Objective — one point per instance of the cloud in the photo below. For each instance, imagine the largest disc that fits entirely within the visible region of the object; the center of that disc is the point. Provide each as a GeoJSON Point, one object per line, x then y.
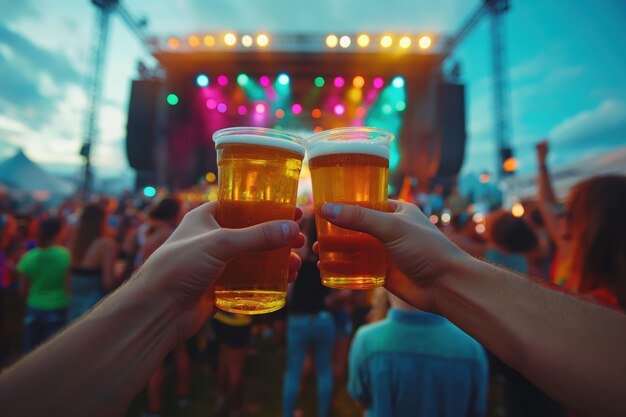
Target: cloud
{"type": "Point", "coordinates": [603, 125]}
{"type": "Point", "coordinates": [32, 79]}
{"type": "Point", "coordinates": [13, 10]}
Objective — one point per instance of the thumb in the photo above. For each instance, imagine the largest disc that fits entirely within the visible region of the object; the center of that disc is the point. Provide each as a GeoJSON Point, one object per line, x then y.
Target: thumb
{"type": "Point", "coordinates": [379, 224]}
{"type": "Point", "coordinates": [229, 243]}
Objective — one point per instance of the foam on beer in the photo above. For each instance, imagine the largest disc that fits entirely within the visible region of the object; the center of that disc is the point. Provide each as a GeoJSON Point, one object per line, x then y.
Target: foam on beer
{"type": "Point", "coordinates": [261, 141]}
{"type": "Point", "coordinates": [361, 147]}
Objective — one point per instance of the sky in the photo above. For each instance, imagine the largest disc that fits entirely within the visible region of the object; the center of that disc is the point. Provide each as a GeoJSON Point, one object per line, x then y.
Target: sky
{"type": "Point", "coordinates": [565, 59]}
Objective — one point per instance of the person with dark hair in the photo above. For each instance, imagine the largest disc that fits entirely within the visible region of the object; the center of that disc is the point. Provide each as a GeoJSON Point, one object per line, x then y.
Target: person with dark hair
{"type": "Point", "coordinates": [44, 275]}
{"type": "Point", "coordinates": [510, 240]}
{"type": "Point", "coordinates": [93, 259]}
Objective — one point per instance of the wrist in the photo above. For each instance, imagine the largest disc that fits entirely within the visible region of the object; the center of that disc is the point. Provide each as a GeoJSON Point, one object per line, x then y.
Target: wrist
{"type": "Point", "coordinates": [459, 273]}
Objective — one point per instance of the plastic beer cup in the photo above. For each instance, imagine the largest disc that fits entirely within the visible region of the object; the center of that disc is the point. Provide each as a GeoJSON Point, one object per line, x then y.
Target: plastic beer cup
{"type": "Point", "coordinates": [258, 182]}
{"type": "Point", "coordinates": [350, 165]}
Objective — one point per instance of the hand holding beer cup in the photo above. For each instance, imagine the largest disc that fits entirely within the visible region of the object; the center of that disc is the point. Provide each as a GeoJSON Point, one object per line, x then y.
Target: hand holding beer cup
{"type": "Point", "coordinates": [258, 181]}
{"type": "Point", "coordinates": [419, 255]}
{"type": "Point", "coordinates": [349, 165]}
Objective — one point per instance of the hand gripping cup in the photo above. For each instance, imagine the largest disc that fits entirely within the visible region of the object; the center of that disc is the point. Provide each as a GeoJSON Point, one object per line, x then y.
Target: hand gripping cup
{"type": "Point", "coordinates": [258, 182]}
{"type": "Point", "coordinates": [349, 165]}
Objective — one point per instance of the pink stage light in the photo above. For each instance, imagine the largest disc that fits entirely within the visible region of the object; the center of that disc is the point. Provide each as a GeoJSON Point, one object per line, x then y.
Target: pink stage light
{"type": "Point", "coordinates": [296, 108]}
{"type": "Point", "coordinates": [242, 110]}
{"type": "Point", "coordinates": [259, 108]}
{"type": "Point", "coordinates": [222, 80]}
{"type": "Point", "coordinates": [211, 104]}
{"type": "Point", "coordinates": [265, 81]}
{"type": "Point", "coordinates": [222, 108]}
{"type": "Point", "coordinates": [339, 82]}
{"type": "Point", "coordinates": [339, 109]}
{"type": "Point", "coordinates": [378, 82]}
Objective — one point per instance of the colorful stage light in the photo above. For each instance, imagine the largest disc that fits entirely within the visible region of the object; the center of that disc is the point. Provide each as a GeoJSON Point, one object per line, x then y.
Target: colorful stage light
{"type": "Point", "coordinates": [316, 113]}
{"type": "Point", "coordinates": [193, 41]}
{"type": "Point", "coordinates": [247, 41]}
{"type": "Point", "coordinates": [331, 41]}
{"type": "Point", "coordinates": [262, 40]}
{"type": "Point", "coordinates": [211, 104]}
{"type": "Point", "coordinates": [345, 41]}
{"type": "Point", "coordinates": [355, 94]}
{"type": "Point", "coordinates": [222, 80]}
{"type": "Point", "coordinates": [280, 113]}
{"type": "Point", "coordinates": [210, 177]}
{"type": "Point", "coordinates": [242, 79]}
{"type": "Point", "coordinates": [173, 43]}
{"type": "Point", "coordinates": [222, 108]}
{"type": "Point", "coordinates": [209, 41]}
{"type": "Point", "coordinates": [296, 108]}
{"type": "Point", "coordinates": [283, 79]}
{"type": "Point", "coordinates": [425, 42]}
{"type": "Point", "coordinates": [149, 191]}
{"type": "Point", "coordinates": [242, 110]}
{"type": "Point", "coordinates": [339, 109]}
{"type": "Point", "coordinates": [363, 40]}
{"type": "Point", "coordinates": [339, 82]}
{"type": "Point", "coordinates": [378, 83]}
{"type": "Point", "coordinates": [510, 165]}
{"type": "Point", "coordinates": [398, 82]}
{"type": "Point", "coordinates": [265, 81]}
{"type": "Point", "coordinates": [230, 39]}
{"type": "Point", "coordinates": [172, 99]}
{"type": "Point", "coordinates": [317, 129]}
{"type": "Point", "coordinates": [400, 106]}
{"type": "Point", "coordinates": [260, 108]}
{"type": "Point", "coordinates": [358, 81]}
{"type": "Point", "coordinates": [319, 82]}
{"type": "Point", "coordinates": [387, 109]}
{"type": "Point", "coordinates": [360, 112]}
{"type": "Point", "coordinates": [517, 210]}
{"type": "Point", "coordinates": [405, 42]}
{"type": "Point", "coordinates": [202, 80]}
{"type": "Point", "coordinates": [386, 41]}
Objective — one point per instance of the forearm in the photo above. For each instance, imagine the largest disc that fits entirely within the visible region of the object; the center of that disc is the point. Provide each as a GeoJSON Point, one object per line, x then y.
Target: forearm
{"type": "Point", "coordinates": [544, 186]}
{"type": "Point", "coordinates": [563, 345]}
{"type": "Point", "coordinates": [97, 365]}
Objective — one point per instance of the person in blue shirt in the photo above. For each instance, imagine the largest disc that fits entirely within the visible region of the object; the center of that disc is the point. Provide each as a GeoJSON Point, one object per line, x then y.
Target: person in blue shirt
{"type": "Point", "coordinates": [415, 363]}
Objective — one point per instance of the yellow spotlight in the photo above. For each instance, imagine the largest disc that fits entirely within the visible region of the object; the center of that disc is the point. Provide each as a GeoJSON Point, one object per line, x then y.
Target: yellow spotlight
{"type": "Point", "coordinates": [262, 40]}
{"type": "Point", "coordinates": [247, 41]}
{"type": "Point", "coordinates": [386, 41]}
{"type": "Point", "coordinates": [425, 42]}
{"type": "Point", "coordinates": [358, 81]}
{"type": "Point", "coordinates": [209, 41]}
{"type": "Point", "coordinates": [517, 210]}
{"type": "Point", "coordinates": [210, 177]}
{"type": "Point", "coordinates": [193, 41]}
{"type": "Point", "coordinates": [405, 42]}
{"type": "Point", "coordinates": [173, 43]}
{"type": "Point", "coordinates": [363, 40]}
{"type": "Point", "coordinates": [480, 228]}
{"type": "Point", "coordinates": [345, 41]}
{"type": "Point", "coordinates": [331, 41]}
{"type": "Point", "coordinates": [355, 94]}
{"type": "Point", "coordinates": [230, 39]}
{"type": "Point", "coordinates": [510, 164]}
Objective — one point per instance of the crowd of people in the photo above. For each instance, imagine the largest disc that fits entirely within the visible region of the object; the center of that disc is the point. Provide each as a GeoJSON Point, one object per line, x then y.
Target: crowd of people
{"type": "Point", "coordinates": [427, 344]}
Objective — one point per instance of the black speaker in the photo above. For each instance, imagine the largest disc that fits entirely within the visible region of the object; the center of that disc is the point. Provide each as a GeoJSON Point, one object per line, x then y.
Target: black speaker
{"type": "Point", "coordinates": [450, 129]}
{"type": "Point", "coordinates": [141, 129]}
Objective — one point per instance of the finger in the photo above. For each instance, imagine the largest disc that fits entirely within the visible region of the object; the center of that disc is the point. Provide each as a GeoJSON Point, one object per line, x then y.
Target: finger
{"type": "Point", "coordinates": [376, 223]}
{"type": "Point", "coordinates": [298, 214]}
{"type": "Point", "coordinates": [295, 263]}
{"type": "Point", "coordinates": [393, 206]}
{"type": "Point", "coordinates": [204, 213]}
{"type": "Point", "coordinates": [299, 241]}
{"type": "Point", "coordinates": [228, 243]}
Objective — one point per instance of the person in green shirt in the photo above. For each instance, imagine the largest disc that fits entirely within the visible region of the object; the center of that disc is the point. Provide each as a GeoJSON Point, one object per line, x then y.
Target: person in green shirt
{"type": "Point", "coordinates": [44, 271]}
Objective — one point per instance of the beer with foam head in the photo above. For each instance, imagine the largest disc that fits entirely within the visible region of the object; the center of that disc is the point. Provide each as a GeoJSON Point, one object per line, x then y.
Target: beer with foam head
{"type": "Point", "coordinates": [350, 165]}
{"type": "Point", "coordinates": [258, 182]}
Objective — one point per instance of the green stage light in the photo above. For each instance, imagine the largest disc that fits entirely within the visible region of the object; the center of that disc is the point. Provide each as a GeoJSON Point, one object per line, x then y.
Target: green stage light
{"type": "Point", "coordinates": [398, 82]}
{"type": "Point", "coordinates": [283, 79]}
{"type": "Point", "coordinates": [242, 79]}
{"type": "Point", "coordinates": [172, 99]}
{"type": "Point", "coordinates": [319, 82]}
{"type": "Point", "coordinates": [400, 106]}
{"type": "Point", "coordinates": [387, 109]}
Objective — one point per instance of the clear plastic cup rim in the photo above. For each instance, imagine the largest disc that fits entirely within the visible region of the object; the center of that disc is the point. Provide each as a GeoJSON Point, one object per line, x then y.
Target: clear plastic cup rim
{"type": "Point", "coordinates": [261, 136]}
{"type": "Point", "coordinates": [366, 140]}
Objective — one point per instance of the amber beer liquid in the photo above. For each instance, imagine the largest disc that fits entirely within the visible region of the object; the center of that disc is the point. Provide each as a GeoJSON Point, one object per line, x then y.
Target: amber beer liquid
{"type": "Point", "coordinates": [258, 182]}
{"type": "Point", "coordinates": [350, 165]}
